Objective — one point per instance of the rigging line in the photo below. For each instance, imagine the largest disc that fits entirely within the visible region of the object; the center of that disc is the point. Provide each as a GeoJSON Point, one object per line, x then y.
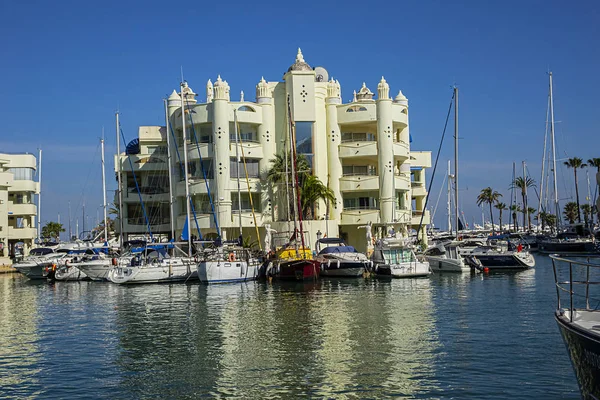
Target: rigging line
{"type": "Point", "coordinates": [212, 206]}
{"type": "Point", "coordinates": [436, 163]}
{"type": "Point", "coordinates": [182, 173]}
{"type": "Point", "coordinates": [438, 199]}
{"type": "Point", "coordinates": [137, 186]}
{"type": "Point", "coordinates": [87, 180]}
{"type": "Point", "coordinates": [249, 192]}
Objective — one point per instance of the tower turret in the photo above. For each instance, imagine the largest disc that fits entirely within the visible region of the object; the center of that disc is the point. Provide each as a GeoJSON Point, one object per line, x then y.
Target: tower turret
{"type": "Point", "coordinates": [209, 91]}
{"type": "Point", "coordinates": [383, 89]}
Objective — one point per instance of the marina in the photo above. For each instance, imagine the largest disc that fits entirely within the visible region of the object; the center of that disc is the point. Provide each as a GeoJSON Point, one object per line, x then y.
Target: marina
{"type": "Point", "coordinates": [445, 336]}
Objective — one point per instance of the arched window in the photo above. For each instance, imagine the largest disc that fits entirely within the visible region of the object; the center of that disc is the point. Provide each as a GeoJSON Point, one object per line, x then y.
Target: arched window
{"type": "Point", "coordinates": [355, 109]}
{"type": "Point", "coordinates": [246, 108]}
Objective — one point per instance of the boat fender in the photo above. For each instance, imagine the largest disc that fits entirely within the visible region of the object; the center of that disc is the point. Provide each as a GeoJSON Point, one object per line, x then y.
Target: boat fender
{"type": "Point", "coordinates": [196, 258]}
{"type": "Point", "coordinates": [338, 264]}
{"type": "Point", "coordinates": [231, 257]}
{"type": "Point", "coordinates": [114, 261]}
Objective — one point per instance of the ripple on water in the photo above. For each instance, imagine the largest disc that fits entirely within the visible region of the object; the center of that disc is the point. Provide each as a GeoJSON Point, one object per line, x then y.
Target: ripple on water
{"type": "Point", "coordinates": [450, 336]}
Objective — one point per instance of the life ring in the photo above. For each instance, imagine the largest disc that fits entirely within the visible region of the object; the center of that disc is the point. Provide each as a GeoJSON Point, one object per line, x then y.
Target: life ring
{"type": "Point", "coordinates": [114, 261]}
{"type": "Point", "coordinates": [231, 257]}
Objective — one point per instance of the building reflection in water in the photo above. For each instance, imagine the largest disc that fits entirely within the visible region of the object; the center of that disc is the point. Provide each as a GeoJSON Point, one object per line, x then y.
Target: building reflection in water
{"type": "Point", "coordinates": [20, 342]}
{"type": "Point", "coordinates": [322, 339]}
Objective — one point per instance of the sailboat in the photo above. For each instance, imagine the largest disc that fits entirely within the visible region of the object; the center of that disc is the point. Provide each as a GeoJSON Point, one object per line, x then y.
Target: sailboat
{"type": "Point", "coordinates": [564, 242]}
{"type": "Point", "coordinates": [234, 263]}
{"type": "Point", "coordinates": [447, 257]}
{"type": "Point", "coordinates": [156, 263]}
{"type": "Point", "coordinates": [292, 262]}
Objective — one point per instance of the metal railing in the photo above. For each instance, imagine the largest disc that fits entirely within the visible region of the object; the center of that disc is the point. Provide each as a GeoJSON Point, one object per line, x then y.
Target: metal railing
{"type": "Point", "coordinates": [581, 270]}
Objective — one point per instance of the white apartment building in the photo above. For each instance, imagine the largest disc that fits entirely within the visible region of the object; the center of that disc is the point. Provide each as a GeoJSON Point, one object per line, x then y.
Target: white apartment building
{"type": "Point", "coordinates": [360, 150]}
{"type": "Point", "coordinates": [17, 207]}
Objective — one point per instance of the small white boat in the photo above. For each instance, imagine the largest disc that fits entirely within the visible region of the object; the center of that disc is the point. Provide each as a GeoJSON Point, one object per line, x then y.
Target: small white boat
{"type": "Point", "coordinates": [223, 265]}
{"type": "Point", "coordinates": [393, 258]}
{"type": "Point", "coordinates": [500, 254]}
{"type": "Point", "coordinates": [338, 259]}
{"type": "Point", "coordinates": [68, 268]}
{"type": "Point", "coordinates": [153, 264]}
{"type": "Point", "coordinates": [34, 265]}
{"type": "Point", "coordinates": [448, 258]}
{"type": "Point", "coordinates": [97, 270]}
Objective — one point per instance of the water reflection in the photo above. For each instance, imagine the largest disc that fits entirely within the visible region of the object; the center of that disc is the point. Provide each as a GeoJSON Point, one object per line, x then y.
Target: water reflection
{"type": "Point", "coordinates": [19, 352]}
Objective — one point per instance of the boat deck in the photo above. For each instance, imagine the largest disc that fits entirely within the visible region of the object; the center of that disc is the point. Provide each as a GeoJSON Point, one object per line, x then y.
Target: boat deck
{"type": "Point", "coordinates": [585, 319]}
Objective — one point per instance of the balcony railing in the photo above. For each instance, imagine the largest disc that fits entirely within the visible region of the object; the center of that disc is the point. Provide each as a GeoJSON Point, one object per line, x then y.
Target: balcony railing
{"type": "Point", "coordinates": [152, 221]}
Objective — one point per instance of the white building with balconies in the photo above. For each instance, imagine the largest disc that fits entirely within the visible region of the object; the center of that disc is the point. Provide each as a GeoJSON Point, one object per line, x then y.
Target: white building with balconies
{"type": "Point", "coordinates": [17, 204]}
{"type": "Point", "coordinates": [360, 150]}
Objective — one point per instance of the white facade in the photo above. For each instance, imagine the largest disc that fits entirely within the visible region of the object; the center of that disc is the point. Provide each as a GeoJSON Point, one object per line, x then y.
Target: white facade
{"type": "Point", "coordinates": [17, 206]}
{"type": "Point", "coordinates": [360, 150]}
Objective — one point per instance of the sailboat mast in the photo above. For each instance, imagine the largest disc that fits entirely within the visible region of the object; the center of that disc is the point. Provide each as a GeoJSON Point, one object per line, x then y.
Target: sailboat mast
{"type": "Point", "coordinates": [525, 206]}
{"type": "Point", "coordinates": [449, 199]}
{"type": "Point", "coordinates": [556, 209]}
{"type": "Point", "coordinates": [104, 189]}
{"type": "Point", "coordinates": [39, 206]}
{"type": "Point", "coordinates": [120, 188]}
{"type": "Point", "coordinates": [237, 170]}
{"type": "Point", "coordinates": [540, 206]}
{"type": "Point", "coordinates": [185, 170]}
{"type": "Point", "coordinates": [456, 158]}
{"type": "Point", "coordinates": [171, 216]}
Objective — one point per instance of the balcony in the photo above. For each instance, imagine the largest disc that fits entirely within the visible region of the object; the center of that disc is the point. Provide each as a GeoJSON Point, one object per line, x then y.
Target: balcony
{"type": "Point", "coordinates": [252, 149]}
{"type": "Point", "coordinates": [402, 182]}
{"type": "Point", "coordinates": [357, 113]}
{"type": "Point", "coordinates": [416, 217]}
{"type": "Point", "coordinates": [359, 216]}
{"type": "Point", "coordinates": [22, 209]}
{"type": "Point", "coordinates": [359, 183]}
{"type": "Point", "coordinates": [401, 150]}
{"type": "Point", "coordinates": [6, 179]}
{"type": "Point", "coordinates": [205, 222]}
{"type": "Point", "coordinates": [21, 233]}
{"type": "Point", "coordinates": [24, 186]}
{"type": "Point", "coordinates": [144, 162]}
{"type": "Point", "coordinates": [418, 188]}
{"type": "Point", "coordinates": [139, 225]}
{"type": "Point", "coordinates": [358, 149]}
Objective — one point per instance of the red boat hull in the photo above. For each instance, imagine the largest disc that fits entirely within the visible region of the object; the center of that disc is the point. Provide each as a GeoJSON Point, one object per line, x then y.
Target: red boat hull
{"type": "Point", "coordinates": [298, 270]}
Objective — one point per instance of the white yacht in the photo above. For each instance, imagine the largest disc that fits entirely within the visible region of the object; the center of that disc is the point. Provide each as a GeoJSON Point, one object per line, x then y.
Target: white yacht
{"type": "Point", "coordinates": [447, 257]}
{"type": "Point", "coordinates": [578, 318]}
{"type": "Point", "coordinates": [500, 254]}
{"type": "Point", "coordinates": [393, 258]}
{"type": "Point", "coordinates": [224, 265]}
{"type": "Point", "coordinates": [152, 264]}
{"type": "Point", "coordinates": [39, 259]}
{"type": "Point", "coordinates": [338, 259]}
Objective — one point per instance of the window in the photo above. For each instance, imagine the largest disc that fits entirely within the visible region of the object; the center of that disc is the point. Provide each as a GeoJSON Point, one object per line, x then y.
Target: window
{"type": "Point", "coordinates": [157, 150]}
{"type": "Point", "coordinates": [201, 204]}
{"type": "Point", "coordinates": [304, 131]}
{"type": "Point", "coordinates": [197, 171]}
{"type": "Point", "coordinates": [246, 206]}
{"type": "Point", "coordinates": [400, 201]}
{"type": "Point", "coordinates": [355, 109]}
{"type": "Point", "coordinates": [251, 166]}
{"type": "Point", "coordinates": [19, 199]}
{"type": "Point", "coordinates": [246, 108]}
{"type": "Point", "coordinates": [246, 133]}
{"type": "Point", "coordinates": [360, 203]}
{"type": "Point", "coordinates": [351, 170]}
{"type": "Point", "coordinates": [357, 137]}
{"type": "Point", "coordinates": [22, 174]}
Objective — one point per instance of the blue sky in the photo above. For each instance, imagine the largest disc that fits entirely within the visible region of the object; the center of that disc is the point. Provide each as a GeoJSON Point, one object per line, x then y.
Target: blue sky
{"type": "Point", "coordinates": [68, 65]}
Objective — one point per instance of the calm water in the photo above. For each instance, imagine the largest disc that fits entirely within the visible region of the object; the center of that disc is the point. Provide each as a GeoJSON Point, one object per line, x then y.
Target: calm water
{"type": "Point", "coordinates": [451, 336]}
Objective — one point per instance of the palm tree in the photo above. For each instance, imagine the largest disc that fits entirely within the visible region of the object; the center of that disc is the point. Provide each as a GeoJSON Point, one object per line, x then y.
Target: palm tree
{"type": "Point", "coordinates": [550, 221]}
{"type": "Point", "coordinates": [488, 195]}
{"type": "Point", "coordinates": [571, 211]}
{"type": "Point", "coordinates": [530, 212]}
{"type": "Point", "coordinates": [594, 162]}
{"type": "Point", "coordinates": [501, 207]}
{"type": "Point", "coordinates": [311, 188]}
{"type": "Point", "coordinates": [576, 163]}
{"type": "Point", "coordinates": [312, 191]}
{"type": "Point", "coordinates": [587, 212]}
{"type": "Point", "coordinates": [514, 210]}
{"type": "Point", "coordinates": [52, 230]}
{"type": "Point", "coordinates": [522, 184]}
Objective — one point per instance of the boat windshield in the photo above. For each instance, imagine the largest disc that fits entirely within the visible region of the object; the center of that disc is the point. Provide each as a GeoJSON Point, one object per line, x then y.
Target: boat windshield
{"type": "Point", "coordinates": [396, 256]}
